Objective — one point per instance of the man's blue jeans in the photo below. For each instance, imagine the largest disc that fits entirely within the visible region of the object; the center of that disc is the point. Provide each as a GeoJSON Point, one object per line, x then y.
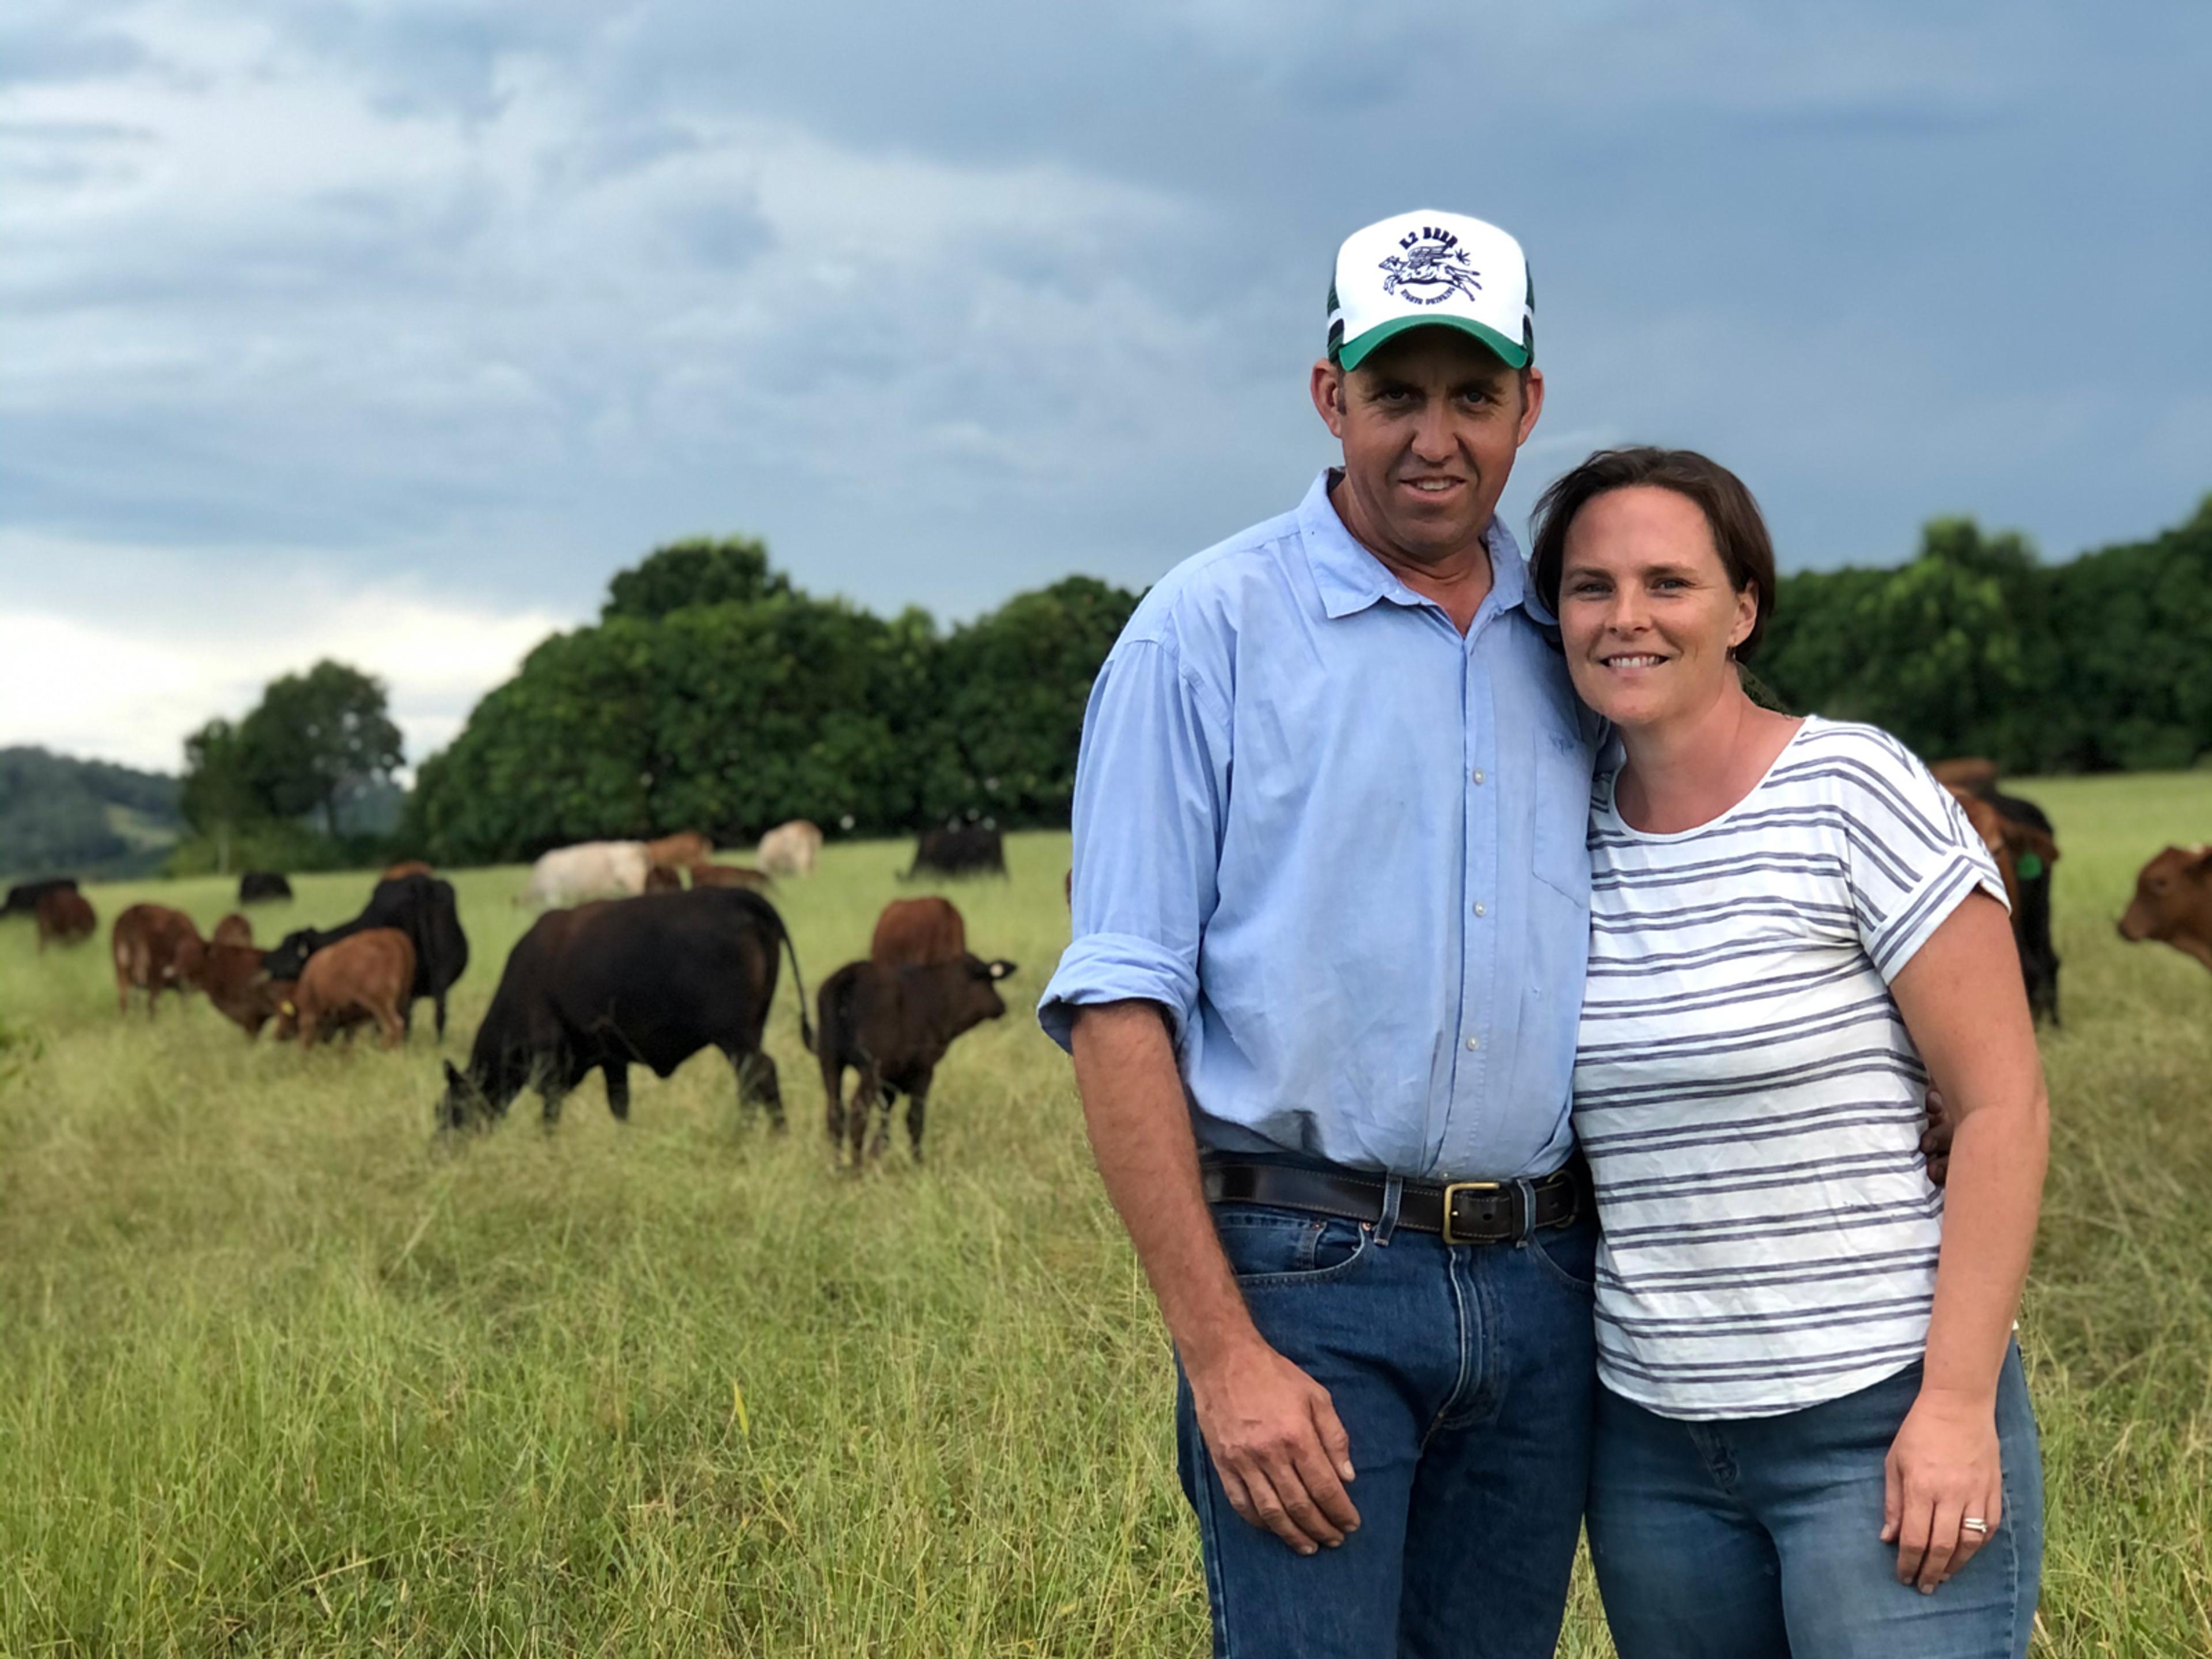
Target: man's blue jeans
{"type": "Point", "coordinates": [1465, 1376]}
{"type": "Point", "coordinates": [1758, 1538]}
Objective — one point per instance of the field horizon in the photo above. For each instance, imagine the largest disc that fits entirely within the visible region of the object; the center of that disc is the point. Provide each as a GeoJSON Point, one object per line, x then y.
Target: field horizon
{"type": "Point", "coordinates": [286, 1373]}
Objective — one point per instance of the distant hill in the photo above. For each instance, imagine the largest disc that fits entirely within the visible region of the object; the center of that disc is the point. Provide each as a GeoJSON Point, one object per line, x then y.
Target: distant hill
{"type": "Point", "coordinates": [65, 816]}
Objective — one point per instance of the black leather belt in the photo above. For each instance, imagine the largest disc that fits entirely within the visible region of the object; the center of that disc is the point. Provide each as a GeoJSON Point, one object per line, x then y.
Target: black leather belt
{"type": "Point", "coordinates": [1464, 1212]}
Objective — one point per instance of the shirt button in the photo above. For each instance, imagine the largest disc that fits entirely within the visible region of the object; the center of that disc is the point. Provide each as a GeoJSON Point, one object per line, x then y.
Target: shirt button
{"type": "Point", "coordinates": [1478, 774]}
{"type": "Point", "coordinates": [1481, 910]}
{"type": "Point", "coordinates": [1473, 1043]}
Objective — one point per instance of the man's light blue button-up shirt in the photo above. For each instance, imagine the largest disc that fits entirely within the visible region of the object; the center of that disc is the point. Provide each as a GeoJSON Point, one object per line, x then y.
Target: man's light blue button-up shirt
{"type": "Point", "coordinates": [1343, 846]}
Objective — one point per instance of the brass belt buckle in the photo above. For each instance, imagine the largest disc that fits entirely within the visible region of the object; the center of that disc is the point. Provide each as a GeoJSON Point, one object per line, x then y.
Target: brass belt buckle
{"type": "Point", "coordinates": [1455, 1188]}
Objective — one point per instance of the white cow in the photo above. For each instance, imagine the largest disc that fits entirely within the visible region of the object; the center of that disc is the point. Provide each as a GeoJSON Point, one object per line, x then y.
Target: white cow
{"type": "Point", "coordinates": [590, 869]}
{"type": "Point", "coordinates": [789, 848]}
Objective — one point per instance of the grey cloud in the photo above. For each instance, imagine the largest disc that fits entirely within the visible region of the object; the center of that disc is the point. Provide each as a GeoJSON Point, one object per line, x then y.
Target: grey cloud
{"type": "Point", "coordinates": [947, 303]}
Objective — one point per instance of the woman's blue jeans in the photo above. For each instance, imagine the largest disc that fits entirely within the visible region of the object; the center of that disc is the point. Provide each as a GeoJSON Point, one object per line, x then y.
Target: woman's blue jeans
{"type": "Point", "coordinates": [1464, 1374]}
{"type": "Point", "coordinates": [1758, 1538]}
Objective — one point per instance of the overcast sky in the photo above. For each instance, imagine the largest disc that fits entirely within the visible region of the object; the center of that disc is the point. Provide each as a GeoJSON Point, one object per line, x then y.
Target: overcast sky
{"type": "Point", "coordinates": [390, 329]}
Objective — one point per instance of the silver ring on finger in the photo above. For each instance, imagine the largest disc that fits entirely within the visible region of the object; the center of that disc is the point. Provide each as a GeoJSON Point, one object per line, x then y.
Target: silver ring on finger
{"type": "Point", "coordinates": [1975, 1524]}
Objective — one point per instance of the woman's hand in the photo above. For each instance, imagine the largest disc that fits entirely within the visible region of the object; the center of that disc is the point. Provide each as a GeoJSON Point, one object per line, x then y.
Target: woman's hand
{"type": "Point", "coordinates": [1943, 1470]}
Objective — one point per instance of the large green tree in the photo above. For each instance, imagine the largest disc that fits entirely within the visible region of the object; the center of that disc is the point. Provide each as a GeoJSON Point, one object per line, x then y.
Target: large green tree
{"type": "Point", "coordinates": [689, 574]}
{"type": "Point", "coordinates": [315, 737]}
{"type": "Point", "coordinates": [750, 703]}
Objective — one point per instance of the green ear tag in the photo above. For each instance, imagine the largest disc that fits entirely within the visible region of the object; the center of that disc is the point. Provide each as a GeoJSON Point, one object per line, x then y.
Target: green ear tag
{"type": "Point", "coordinates": [2029, 867]}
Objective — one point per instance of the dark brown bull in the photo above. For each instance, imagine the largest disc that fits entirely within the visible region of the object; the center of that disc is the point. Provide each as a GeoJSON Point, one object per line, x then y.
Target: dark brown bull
{"type": "Point", "coordinates": [893, 1025]}
{"type": "Point", "coordinates": [912, 932]}
{"type": "Point", "coordinates": [2173, 903]}
{"type": "Point", "coordinates": [155, 948]}
{"type": "Point", "coordinates": [64, 917]}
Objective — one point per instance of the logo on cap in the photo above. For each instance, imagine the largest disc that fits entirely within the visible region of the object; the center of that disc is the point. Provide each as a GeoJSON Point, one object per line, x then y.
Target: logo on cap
{"type": "Point", "coordinates": [1433, 268]}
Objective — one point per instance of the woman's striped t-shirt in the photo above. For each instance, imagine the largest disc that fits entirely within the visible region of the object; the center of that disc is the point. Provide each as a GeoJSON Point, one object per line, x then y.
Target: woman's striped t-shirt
{"type": "Point", "coordinates": [1745, 1091]}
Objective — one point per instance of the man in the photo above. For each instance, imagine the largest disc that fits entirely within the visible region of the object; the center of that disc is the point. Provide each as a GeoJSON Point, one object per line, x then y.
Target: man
{"type": "Point", "coordinates": [1331, 921]}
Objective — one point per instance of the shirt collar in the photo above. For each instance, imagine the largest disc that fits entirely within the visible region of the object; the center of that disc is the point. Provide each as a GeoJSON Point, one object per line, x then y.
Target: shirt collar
{"type": "Point", "coordinates": [1351, 579]}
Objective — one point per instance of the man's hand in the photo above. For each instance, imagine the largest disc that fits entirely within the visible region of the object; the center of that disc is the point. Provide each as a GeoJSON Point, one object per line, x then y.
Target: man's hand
{"type": "Point", "coordinates": [1283, 1457]}
{"type": "Point", "coordinates": [1935, 1139]}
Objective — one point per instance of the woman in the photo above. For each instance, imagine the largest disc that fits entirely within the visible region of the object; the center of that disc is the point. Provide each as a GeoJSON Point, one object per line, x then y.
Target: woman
{"type": "Point", "coordinates": [1814, 1437]}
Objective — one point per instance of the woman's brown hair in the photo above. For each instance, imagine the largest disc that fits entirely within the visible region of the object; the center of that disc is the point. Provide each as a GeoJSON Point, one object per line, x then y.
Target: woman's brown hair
{"type": "Point", "coordinates": [1739, 532]}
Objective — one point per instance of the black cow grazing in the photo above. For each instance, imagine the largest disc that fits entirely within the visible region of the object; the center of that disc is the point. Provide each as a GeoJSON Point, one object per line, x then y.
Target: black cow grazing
{"type": "Point", "coordinates": [971, 849]}
{"type": "Point", "coordinates": [2039, 958]}
{"type": "Point", "coordinates": [23, 897]}
{"type": "Point", "coordinates": [421, 906]}
{"type": "Point", "coordinates": [647, 981]}
{"type": "Point", "coordinates": [893, 1025]}
{"type": "Point", "coordinates": [257, 886]}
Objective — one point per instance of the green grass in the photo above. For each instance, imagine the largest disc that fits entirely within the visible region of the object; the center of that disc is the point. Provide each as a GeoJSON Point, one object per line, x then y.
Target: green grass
{"type": "Point", "coordinates": [280, 1375]}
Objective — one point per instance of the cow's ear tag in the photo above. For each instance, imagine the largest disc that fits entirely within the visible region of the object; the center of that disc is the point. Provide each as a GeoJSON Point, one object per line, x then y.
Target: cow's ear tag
{"type": "Point", "coordinates": [2029, 865]}
{"type": "Point", "coordinates": [1000, 969]}
{"type": "Point", "coordinates": [290, 1013]}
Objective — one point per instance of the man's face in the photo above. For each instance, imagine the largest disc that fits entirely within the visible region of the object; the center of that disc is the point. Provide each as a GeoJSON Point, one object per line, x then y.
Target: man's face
{"type": "Point", "coordinates": [1430, 422]}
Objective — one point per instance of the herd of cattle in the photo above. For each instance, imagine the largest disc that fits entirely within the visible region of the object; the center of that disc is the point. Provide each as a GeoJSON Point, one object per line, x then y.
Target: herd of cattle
{"type": "Point", "coordinates": [627, 966]}
{"type": "Point", "coordinates": [649, 951]}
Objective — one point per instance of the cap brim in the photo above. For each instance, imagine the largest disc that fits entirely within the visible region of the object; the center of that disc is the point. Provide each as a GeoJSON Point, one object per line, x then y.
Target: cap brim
{"type": "Point", "coordinates": [1512, 352]}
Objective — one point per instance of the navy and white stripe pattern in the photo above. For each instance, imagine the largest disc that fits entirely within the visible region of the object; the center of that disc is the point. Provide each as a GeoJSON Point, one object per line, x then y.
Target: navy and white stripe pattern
{"type": "Point", "coordinates": [1746, 1095]}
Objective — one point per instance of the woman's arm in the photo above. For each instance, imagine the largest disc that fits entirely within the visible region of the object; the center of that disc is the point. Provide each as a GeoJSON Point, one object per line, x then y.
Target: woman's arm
{"type": "Point", "coordinates": [1964, 1003]}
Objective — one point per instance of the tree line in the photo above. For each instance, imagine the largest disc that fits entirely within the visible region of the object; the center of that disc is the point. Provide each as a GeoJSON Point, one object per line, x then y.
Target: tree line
{"type": "Point", "coordinates": [1974, 646]}
{"type": "Point", "coordinates": [714, 694]}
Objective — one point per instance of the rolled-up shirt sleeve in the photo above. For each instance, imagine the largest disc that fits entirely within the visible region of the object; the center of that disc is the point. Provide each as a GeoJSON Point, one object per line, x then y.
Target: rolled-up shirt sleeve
{"type": "Point", "coordinates": [1152, 787]}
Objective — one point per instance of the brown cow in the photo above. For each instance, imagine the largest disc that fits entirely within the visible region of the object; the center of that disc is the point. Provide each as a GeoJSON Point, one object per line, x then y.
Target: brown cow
{"type": "Point", "coordinates": [408, 868]}
{"type": "Point", "coordinates": [672, 852]}
{"type": "Point", "coordinates": [912, 932]}
{"type": "Point", "coordinates": [1970, 772]}
{"type": "Point", "coordinates": [1989, 824]}
{"type": "Point", "coordinates": [662, 879]}
{"type": "Point", "coordinates": [893, 1025]}
{"type": "Point", "coordinates": [364, 977]}
{"type": "Point", "coordinates": [2173, 903]}
{"type": "Point", "coordinates": [157, 949]}
{"type": "Point", "coordinates": [240, 986]}
{"type": "Point", "coordinates": [728, 875]}
{"type": "Point", "coordinates": [65, 917]}
{"type": "Point", "coordinates": [233, 929]}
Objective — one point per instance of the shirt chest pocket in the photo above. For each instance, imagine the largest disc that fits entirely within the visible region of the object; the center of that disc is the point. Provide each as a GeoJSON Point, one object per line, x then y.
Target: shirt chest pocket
{"type": "Point", "coordinates": [1560, 765]}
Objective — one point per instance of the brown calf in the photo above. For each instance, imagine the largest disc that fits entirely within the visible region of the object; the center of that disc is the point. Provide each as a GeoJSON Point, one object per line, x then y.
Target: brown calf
{"type": "Point", "coordinates": [233, 929]}
{"type": "Point", "coordinates": [672, 852]}
{"type": "Point", "coordinates": [240, 986]}
{"type": "Point", "coordinates": [65, 917]}
{"type": "Point", "coordinates": [157, 949]}
{"type": "Point", "coordinates": [365, 976]}
{"type": "Point", "coordinates": [893, 1025]}
{"type": "Point", "coordinates": [1970, 772]}
{"type": "Point", "coordinates": [727, 875]}
{"type": "Point", "coordinates": [409, 868]}
{"type": "Point", "coordinates": [662, 879]}
{"type": "Point", "coordinates": [911, 932]}
{"type": "Point", "coordinates": [2173, 903]}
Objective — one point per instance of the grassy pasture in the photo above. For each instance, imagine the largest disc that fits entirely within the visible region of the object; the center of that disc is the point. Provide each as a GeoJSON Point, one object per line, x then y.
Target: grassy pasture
{"type": "Point", "coordinates": [278, 1375]}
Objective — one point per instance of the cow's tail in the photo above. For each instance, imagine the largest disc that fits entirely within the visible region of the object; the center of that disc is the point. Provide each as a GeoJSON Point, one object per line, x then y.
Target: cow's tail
{"type": "Point", "coordinates": [805, 1026]}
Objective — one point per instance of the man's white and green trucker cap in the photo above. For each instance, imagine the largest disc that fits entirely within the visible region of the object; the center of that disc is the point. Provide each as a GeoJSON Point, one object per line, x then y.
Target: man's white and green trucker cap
{"type": "Point", "coordinates": [1416, 269]}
